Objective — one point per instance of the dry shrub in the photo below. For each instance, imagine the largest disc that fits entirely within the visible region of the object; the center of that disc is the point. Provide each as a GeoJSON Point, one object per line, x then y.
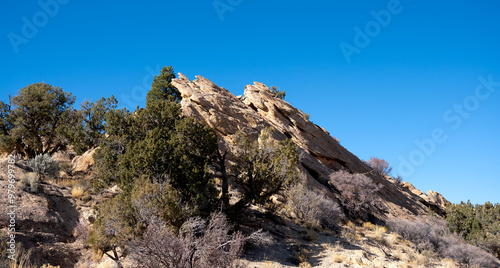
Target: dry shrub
{"type": "Point", "coordinates": [426, 234]}
{"type": "Point", "coordinates": [29, 182]}
{"type": "Point", "coordinates": [198, 244]}
{"type": "Point", "coordinates": [471, 255]}
{"type": "Point", "coordinates": [431, 235]}
{"type": "Point", "coordinates": [357, 193]}
{"type": "Point", "coordinates": [312, 208]}
{"type": "Point", "coordinates": [379, 165]}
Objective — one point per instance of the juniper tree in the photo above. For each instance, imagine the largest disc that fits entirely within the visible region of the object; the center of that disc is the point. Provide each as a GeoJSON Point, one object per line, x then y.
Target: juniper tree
{"type": "Point", "coordinates": [33, 123]}
{"type": "Point", "coordinates": [91, 124]}
{"type": "Point", "coordinates": [265, 167]}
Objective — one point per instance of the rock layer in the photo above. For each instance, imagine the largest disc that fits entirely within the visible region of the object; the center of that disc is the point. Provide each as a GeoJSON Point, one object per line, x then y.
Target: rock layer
{"type": "Point", "coordinates": [320, 154]}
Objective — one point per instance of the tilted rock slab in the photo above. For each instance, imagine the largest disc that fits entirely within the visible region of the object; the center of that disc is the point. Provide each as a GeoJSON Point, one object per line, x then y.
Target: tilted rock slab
{"type": "Point", "coordinates": [320, 154]}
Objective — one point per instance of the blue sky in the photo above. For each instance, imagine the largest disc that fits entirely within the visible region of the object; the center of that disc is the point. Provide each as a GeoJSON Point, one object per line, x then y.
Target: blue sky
{"type": "Point", "coordinates": [414, 77]}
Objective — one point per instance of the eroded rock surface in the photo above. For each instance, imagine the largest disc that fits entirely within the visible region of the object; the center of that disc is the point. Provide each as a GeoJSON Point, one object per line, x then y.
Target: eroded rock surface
{"type": "Point", "coordinates": [320, 154]}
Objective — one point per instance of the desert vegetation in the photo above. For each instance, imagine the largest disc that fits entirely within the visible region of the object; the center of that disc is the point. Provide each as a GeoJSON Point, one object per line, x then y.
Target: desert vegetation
{"type": "Point", "coordinates": [182, 200]}
{"type": "Point", "coordinates": [477, 224]}
{"type": "Point", "coordinates": [358, 193]}
{"type": "Point", "coordinates": [379, 165]}
{"type": "Point", "coordinates": [431, 234]}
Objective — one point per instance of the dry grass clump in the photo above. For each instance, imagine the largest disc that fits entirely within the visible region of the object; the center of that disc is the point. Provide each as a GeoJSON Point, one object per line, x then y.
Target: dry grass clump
{"type": "Point", "coordinates": [391, 239]}
{"type": "Point", "coordinates": [350, 224]}
{"type": "Point", "coordinates": [339, 258]}
{"type": "Point", "coordinates": [305, 265]}
{"type": "Point", "coordinates": [369, 225]}
{"type": "Point", "coordinates": [380, 230]}
{"type": "Point", "coordinates": [353, 237]}
{"type": "Point", "coordinates": [78, 191]}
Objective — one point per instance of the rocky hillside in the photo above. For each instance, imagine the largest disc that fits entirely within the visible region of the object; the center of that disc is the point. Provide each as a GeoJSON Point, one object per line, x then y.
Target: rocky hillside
{"type": "Point", "coordinates": [320, 153]}
{"type": "Point", "coordinates": [53, 220]}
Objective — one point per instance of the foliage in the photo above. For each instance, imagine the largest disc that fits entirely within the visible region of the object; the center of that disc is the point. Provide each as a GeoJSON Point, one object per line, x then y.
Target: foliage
{"type": "Point", "coordinates": [278, 93]}
{"type": "Point", "coordinates": [379, 165]}
{"type": "Point", "coordinates": [44, 165]}
{"type": "Point", "coordinates": [265, 166]}
{"type": "Point", "coordinates": [158, 201]}
{"type": "Point", "coordinates": [114, 227]}
{"type": "Point", "coordinates": [92, 123]}
{"type": "Point", "coordinates": [305, 114]}
{"type": "Point", "coordinates": [197, 244]}
{"type": "Point", "coordinates": [161, 145]}
{"type": "Point", "coordinates": [431, 234]}
{"type": "Point", "coordinates": [477, 224]}
{"type": "Point", "coordinates": [162, 89]}
{"type": "Point", "coordinates": [160, 160]}
{"type": "Point", "coordinates": [313, 208]}
{"type": "Point", "coordinates": [7, 142]}
{"type": "Point", "coordinates": [33, 123]}
{"type": "Point", "coordinates": [357, 193]}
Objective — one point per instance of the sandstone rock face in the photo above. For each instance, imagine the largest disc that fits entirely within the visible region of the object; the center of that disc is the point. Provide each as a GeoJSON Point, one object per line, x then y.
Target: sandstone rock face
{"type": "Point", "coordinates": [320, 154]}
{"type": "Point", "coordinates": [437, 198]}
{"type": "Point", "coordinates": [83, 163]}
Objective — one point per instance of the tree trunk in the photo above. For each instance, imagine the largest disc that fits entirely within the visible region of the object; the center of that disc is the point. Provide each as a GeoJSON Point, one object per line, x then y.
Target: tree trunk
{"type": "Point", "coordinates": [225, 180]}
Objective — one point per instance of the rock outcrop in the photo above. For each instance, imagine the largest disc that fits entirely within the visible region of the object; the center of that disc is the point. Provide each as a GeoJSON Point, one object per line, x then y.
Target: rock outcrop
{"type": "Point", "coordinates": [320, 154]}
{"type": "Point", "coordinates": [83, 163]}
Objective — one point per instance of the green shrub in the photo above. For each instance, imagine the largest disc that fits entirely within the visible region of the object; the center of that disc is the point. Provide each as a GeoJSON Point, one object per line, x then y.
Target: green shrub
{"type": "Point", "coordinates": [278, 93]}
{"type": "Point", "coordinates": [265, 167]}
{"type": "Point", "coordinates": [477, 224]}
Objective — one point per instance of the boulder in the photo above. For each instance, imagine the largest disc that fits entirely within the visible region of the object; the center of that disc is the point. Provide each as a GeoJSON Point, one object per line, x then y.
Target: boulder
{"type": "Point", "coordinates": [83, 163]}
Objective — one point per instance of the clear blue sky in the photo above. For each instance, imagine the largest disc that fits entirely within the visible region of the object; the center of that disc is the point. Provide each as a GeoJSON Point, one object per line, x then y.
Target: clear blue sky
{"type": "Point", "coordinates": [380, 96]}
